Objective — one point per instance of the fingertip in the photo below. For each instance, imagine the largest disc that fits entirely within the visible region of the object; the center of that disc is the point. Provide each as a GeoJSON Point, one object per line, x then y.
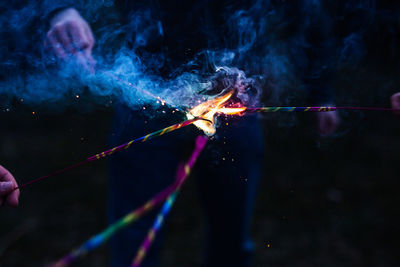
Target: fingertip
{"type": "Point", "coordinates": [395, 100]}
{"type": "Point", "coordinates": [6, 187]}
{"type": "Point", "coordinates": [12, 199]}
{"type": "Point", "coordinates": [14, 195]}
{"type": "Point", "coordinates": [17, 192]}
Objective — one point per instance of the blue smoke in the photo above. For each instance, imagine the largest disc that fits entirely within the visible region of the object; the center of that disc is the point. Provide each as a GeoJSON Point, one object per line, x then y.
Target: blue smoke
{"type": "Point", "coordinates": [271, 48]}
{"type": "Point", "coordinates": [122, 73]}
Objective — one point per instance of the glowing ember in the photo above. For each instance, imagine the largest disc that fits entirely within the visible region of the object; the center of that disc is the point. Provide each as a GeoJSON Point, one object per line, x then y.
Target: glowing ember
{"type": "Point", "coordinates": [209, 109]}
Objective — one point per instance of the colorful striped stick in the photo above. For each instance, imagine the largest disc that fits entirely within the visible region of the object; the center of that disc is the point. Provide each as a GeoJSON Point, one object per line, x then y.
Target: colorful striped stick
{"type": "Point", "coordinates": [102, 237]}
{"type": "Point", "coordinates": [133, 216]}
{"type": "Point", "coordinates": [313, 109]}
{"type": "Point", "coordinates": [168, 193]}
{"type": "Point", "coordinates": [115, 149]}
{"type": "Point", "coordinates": [185, 123]}
{"type": "Point", "coordinates": [183, 172]}
{"type": "Point", "coordinates": [141, 253]}
{"type": "Point", "coordinates": [143, 139]}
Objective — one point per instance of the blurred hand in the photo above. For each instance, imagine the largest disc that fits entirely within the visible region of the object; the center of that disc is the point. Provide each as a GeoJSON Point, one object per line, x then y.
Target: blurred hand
{"type": "Point", "coordinates": [70, 38]}
{"type": "Point", "coordinates": [7, 184]}
{"type": "Point", "coordinates": [327, 122]}
{"type": "Point", "coordinates": [395, 99]}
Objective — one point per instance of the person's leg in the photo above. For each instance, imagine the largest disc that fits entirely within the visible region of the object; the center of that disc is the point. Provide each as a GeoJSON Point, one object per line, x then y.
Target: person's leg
{"type": "Point", "coordinates": [133, 181]}
{"type": "Point", "coordinates": [137, 175]}
{"type": "Point", "coordinates": [228, 179]}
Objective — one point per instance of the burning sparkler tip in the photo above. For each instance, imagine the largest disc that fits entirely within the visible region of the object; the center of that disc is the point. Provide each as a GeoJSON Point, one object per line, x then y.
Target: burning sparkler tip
{"type": "Point", "coordinates": [208, 109]}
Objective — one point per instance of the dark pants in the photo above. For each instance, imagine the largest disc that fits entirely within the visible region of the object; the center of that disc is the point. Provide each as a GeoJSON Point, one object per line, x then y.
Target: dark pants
{"type": "Point", "coordinates": [227, 188]}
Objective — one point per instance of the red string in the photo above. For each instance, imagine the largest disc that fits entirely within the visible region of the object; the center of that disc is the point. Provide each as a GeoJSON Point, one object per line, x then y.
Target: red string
{"type": "Point", "coordinates": [52, 174]}
{"type": "Point", "coordinates": [368, 108]}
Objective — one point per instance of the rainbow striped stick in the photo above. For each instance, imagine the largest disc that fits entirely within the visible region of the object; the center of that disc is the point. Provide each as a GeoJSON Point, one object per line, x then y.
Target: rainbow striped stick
{"type": "Point", "coordinates": [313, 109]}
{"type": "Point", "coordinates": [102, 237]}
{"type": "Point", "coordinates": [183, 172]}
{"type": "Point", "coordinates": [188, 122]}
{"type": "Point", "coordinates": [143, 139]}
{"type": "Point", "coordinates": [145, 246]}
{"type": "Point", "coordinates": [115, 150]}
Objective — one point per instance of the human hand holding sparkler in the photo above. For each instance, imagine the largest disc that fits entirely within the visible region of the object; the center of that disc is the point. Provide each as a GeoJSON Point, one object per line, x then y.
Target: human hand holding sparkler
{"type": "Point", "coordinates": [7, 184]}
{"type": "Point", "coordinates": [327, 122]}
{"type": "Point", "coordinates": [70, 37]}
{"type": "Point", "coordinates": [395, 100]}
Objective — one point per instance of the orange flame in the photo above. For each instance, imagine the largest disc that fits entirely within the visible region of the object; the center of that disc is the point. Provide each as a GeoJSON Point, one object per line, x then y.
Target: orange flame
{"type": "Point", "coordinates": [209, 109]}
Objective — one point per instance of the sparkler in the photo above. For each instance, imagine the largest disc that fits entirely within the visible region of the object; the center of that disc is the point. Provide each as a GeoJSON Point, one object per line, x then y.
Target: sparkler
{"type": "Point", "coordinates": [220, 105]}
{"type": "Point", "coordinates": [143, 139]}
{"type": "Point", "coordinates": [102, 237]}
{"type": "Point", "coordinates": [169, 193]}
{"type": "Point", "coordinates": [141, 253]}
{"type": "Point", "coordinates": [313, 109]}
{"type": "Point", "coordinates": [183, 172]}
{"type": "Point", "coordinates": [208, 109]}
{"type": "Point", "coordinates": [116, 149]}
{"type": "Point", "coordinates": [203, 117]}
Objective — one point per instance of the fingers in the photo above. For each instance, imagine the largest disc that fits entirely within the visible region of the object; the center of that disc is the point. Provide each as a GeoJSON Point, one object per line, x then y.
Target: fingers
{"type": "Point", "coordinates": [72, 41]}
{"type": "Point", "coordinates": [78, 35]}
{"type": "Point", "coordinates": [64, 38]}
{"type": "Point", "coordinates": [70, 35]}
{"type": "Point", "coordinates": [7, 185]}
{"type": "Point", "coordinates": [5, 175]}
{"type": "Point", "coordinates": [67, 39]}
{"type": "Point", "coordinates": [395, 101]}
{"type": "Point", "coordinates": [5, 188]}
{"type": "Point", "coordinates": [52, 44]}
{"type": "Point", "coordinates": [13, 198]}
{"type": "Point", "coordinates": [327, 123]}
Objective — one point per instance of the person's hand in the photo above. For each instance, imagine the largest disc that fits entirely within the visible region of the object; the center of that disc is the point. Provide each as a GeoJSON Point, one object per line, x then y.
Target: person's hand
{"type": "Point", "coordinates": [327, 122]}
{"type": "Point", "coordinates": [7, 184]}
{"type": "Point", "coordinates": [70, 38]}
{"type": "Point", "coordinates": [395, 100]}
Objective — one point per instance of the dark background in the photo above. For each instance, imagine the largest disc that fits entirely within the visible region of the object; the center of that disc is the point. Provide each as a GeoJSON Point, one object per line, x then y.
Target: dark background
{"type": "Point", "coordinates": [322, 201]}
